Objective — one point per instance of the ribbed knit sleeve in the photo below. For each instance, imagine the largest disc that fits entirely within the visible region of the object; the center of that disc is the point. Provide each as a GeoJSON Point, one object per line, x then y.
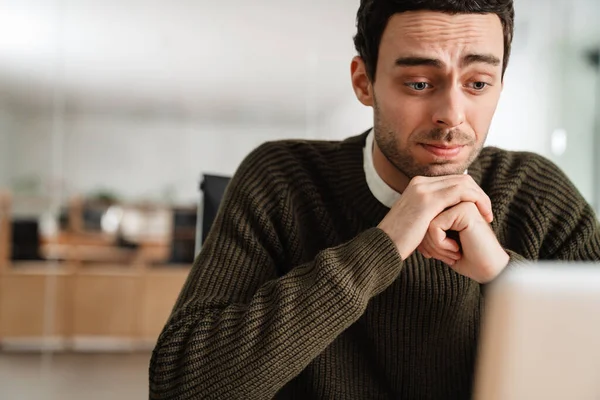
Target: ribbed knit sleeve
{"type": "Point", "coordinates": [570, 228]}
{"type": "Point", "coordinates": [550, 219]}
{"type": "Point", "coordinates": [538, 212]}
{"type": "Point", "coordinates": [242, 329]}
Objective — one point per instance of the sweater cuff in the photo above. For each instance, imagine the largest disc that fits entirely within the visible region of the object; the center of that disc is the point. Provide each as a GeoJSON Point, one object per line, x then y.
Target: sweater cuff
{"type": "Point", "coordinates": [516, 260]}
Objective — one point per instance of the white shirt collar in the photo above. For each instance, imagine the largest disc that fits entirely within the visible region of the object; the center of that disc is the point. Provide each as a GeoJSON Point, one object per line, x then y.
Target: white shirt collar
{"type": "Point", "coordinates": [381, 190]}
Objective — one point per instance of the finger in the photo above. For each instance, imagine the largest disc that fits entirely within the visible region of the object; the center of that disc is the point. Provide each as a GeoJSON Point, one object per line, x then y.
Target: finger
{"type": "Point", "coordinates": [437, 237]}
{"type": "Point", "coordinates": [432, 251]}
{"type": "Point", "coordinates": [448, 261]}
{"type": "Point", "coordinates": [417, 180]}
{"type": "Point", "coordinates": [464, 188]}
{"type": "Point", "coordinates": [428, 253]}
{"type": "Point", "coordinates": [429, 245]}
{"type": "Point", "coordinates": [456, 218]}
{"type": "Point", "coordinates": [456, 189]}
{"type": "Point", "coordinates": [454, 255]}
{"type": "Point", "coordinates": [424, 253]}
{"type": "Point", "coordinates": [424, 250]}
{"type": "Point", "coordinates": [475, 195]}
{"type": "Point", "coordinates": [450, 245]}
{"type": "Point", "coordinates": [446, 255]}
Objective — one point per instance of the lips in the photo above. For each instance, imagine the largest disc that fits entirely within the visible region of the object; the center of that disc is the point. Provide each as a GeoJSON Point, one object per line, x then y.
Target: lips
{"type": "Point", "coordinates": [442, 150]}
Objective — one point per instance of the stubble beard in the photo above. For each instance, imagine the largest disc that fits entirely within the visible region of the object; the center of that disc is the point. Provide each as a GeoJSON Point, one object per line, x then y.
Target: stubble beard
{"type": "Point", "coordinates": [403, 160]}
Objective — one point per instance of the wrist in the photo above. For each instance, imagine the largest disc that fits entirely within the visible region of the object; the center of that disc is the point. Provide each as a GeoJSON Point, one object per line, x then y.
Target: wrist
{"type": "Point", "coordinates": [503, 261]}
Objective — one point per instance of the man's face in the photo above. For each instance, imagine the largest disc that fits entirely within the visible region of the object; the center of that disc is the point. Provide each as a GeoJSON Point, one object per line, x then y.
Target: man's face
{"type": "Point", "coordinates": [438, 81]}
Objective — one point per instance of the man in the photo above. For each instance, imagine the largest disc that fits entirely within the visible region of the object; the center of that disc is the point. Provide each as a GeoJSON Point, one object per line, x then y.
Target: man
{"type": "Point", "coordinates": [355, 269]}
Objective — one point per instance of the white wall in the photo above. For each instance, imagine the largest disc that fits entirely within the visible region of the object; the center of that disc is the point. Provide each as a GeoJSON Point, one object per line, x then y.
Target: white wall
{"type": "Point", "coordinates": [579, 97]}
{"type": "Point", "coordinates": [138, 158]}
{"type": "Point", "coordinates": [5, 128]}
{"type": "Point", "coordinates": [578, 117]}
{"type": "Point", "coordinates": [596, 149]}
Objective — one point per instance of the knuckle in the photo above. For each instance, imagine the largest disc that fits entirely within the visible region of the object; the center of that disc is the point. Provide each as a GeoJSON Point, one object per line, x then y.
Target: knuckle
{"type": "Point", "coordinates": [476, 192]}
{"type": "Point", "coordinates": [433, 226]}
{"type": "Point", "coordinates": [422, 194]}
{"type": "Point", "coordinates": [457, 189]}
{"type": "Point", "coordinates": [467, 178]}
{"type": "Point", "coordinates": [418, 189]}
{"type": "Point", "coordinates": [426, 197]}
{"type": "Point", "coordinates": [416, 180]}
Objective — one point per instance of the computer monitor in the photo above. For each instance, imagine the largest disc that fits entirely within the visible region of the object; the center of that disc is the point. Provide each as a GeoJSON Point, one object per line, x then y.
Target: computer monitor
{"type": "Point", "coordinates": [213, 188]}
{"type": "Point", "coordinates": [183, 236]}
{"type": "Point", "coordinates": [25, 244]}
{"type": "Point", "coordinates": [540, 337]}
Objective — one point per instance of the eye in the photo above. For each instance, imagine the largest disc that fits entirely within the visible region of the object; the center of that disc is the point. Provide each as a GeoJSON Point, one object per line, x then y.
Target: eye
{"type": "Point", "coordinates": [418, 86]}
{"type": "Point", "coordinates": [479, 85]}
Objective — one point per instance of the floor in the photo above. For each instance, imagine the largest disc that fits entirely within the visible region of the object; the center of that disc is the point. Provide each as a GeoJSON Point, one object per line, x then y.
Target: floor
{"type": "Point", "coordinates": [73, 376]}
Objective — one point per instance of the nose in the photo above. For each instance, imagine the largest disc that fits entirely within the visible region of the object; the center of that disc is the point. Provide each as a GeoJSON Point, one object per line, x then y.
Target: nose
{"type": "Point", "coordinates": [449, 109]}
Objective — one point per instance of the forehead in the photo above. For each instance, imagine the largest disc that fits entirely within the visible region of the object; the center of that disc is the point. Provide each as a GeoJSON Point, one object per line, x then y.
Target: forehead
{"type": "Point", "coordinates": [429, 31]}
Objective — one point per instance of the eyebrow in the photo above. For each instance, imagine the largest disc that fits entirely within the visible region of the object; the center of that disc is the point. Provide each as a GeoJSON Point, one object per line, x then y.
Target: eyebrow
{"type": "Point", "coordinates": [433, 62]}
{"type": "Point", "coordinates": [480, 58]}
{"type": "Point", "coordinates": [418, 61]}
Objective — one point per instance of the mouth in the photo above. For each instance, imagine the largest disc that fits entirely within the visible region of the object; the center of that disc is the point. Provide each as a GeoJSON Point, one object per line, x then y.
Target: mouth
{"type": "Point", "coordinates": [443, 150]}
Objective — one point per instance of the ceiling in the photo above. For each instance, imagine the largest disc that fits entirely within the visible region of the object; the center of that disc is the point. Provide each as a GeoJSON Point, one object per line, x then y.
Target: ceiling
{"type": "Point", "coordinates": [265, 59]}
{"type": "Point", "coordinates": [229, 58]}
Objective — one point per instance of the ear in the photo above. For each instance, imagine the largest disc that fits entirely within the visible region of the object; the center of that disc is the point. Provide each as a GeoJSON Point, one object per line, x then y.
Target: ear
{"type": "Point", "coordinates": [360, 81]}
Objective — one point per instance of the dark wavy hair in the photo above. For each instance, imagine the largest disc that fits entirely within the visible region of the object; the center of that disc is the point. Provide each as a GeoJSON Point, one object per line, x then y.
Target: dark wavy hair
{"type": "Point", "coordinates": [373, 15]}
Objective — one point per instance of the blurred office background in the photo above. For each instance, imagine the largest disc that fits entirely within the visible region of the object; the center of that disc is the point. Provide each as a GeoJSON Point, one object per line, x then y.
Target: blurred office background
{"type": "Point", "coordinates": [112, 113]}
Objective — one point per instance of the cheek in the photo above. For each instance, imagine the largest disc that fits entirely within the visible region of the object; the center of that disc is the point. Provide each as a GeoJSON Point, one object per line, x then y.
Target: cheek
{"type": "Point", "coordinates": [401, 113]}
{"type": "Point", "coordinates": [480, 116]}
{"type": "Point", "coordinates": [400, 119]}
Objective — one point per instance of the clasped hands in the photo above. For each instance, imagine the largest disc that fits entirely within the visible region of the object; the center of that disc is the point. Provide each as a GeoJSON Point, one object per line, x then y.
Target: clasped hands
{"type": "Point", "coordinates": [429, 208]}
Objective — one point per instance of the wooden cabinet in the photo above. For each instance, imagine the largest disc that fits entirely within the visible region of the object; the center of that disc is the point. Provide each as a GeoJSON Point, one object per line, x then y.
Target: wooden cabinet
{"type": "Point", "coordinates": [34, 304]}
{"type": "Point", "coordinates": [108, 308]}
{"type": "Point", "coordinates": [5, 230]}
{"type": "Point", "coordinates": [159, 293]}
{"type": "Point", "coordinates": [104, 304]}
{"type": "Point", "coordinates": [98, 297]}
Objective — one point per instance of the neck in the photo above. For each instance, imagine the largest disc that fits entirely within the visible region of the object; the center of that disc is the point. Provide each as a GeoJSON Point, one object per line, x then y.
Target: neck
{"type": "Point", "coordinates": [387, 171]}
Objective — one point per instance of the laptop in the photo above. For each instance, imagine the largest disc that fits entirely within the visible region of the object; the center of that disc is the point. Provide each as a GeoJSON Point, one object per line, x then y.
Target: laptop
{"type": "Point", "coordinates": [540, 335]}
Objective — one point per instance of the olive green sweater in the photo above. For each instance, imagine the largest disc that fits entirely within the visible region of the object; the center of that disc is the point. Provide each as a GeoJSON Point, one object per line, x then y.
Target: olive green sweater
{"type": "Point", "coordinates": [297, 295]}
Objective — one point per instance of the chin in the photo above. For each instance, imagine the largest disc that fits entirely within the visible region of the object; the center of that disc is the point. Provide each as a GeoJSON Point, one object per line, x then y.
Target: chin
{"type": "Point", "coordinates": [445, 171]}
{"type": "Point", "coordinates": [439, 166]}
{"type": "Point", "coordinates": [440, 169]}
